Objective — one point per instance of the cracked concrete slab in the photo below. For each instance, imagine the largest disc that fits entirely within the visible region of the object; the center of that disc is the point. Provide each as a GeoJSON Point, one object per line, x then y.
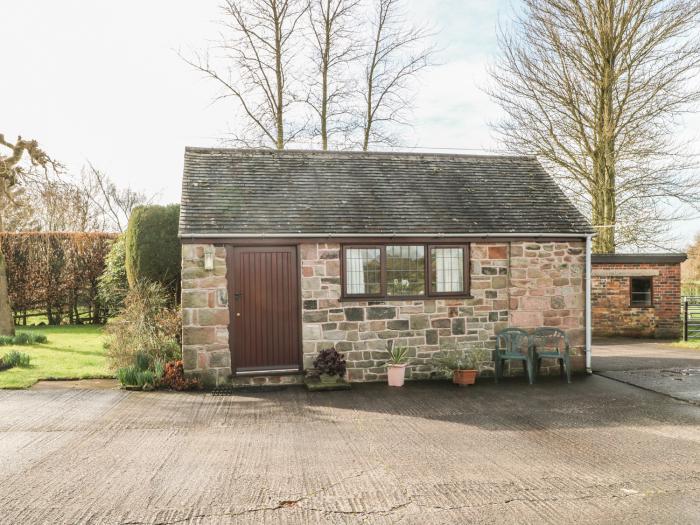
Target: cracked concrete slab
{"type": "Point", "coordinates": [596, 451]}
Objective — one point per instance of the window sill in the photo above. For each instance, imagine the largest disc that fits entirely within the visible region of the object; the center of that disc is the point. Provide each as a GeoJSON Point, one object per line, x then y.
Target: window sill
{"type": "Point", "coordinates": [388, 299]}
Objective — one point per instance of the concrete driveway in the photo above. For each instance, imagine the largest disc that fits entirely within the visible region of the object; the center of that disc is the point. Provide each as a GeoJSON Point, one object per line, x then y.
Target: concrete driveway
{"type": "Point", "coordinates": [596, 451]}
{"type": "Point", "coordinates": [654, 365]}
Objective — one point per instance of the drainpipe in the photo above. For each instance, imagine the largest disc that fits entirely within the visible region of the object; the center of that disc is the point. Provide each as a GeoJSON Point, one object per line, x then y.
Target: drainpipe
{"type": "Point", "coordinates": [588, 305]}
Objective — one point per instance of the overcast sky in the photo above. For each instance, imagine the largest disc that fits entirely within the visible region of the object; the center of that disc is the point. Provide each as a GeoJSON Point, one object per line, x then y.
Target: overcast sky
{"type": "Point", "coordinates": [101, 81]}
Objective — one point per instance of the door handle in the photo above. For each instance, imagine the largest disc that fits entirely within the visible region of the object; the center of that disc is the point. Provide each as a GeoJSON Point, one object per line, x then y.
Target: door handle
{"type": "Point", "coordinates": [238, 314]}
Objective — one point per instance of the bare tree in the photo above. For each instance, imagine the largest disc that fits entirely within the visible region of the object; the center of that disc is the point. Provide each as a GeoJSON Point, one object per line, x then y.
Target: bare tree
{"type": "Point", "coordinates": [259, 44]}
{"type": "Point", "coordinates": [595, 89]}
{"type": "Point", "coordinates": [61, 206]}
{"type": "Point", "coordinates": [13, 172]}
{"type": "Point", "coordinates": [333, 29]}
{"type": "Point", "coordinates": [396, 53]}
{"type": "Point", "coordinates": [113, 205]}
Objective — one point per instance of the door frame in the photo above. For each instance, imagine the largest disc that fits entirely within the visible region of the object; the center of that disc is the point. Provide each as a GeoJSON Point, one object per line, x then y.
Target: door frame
{"type": "Point", "coordinates": [230, 258]}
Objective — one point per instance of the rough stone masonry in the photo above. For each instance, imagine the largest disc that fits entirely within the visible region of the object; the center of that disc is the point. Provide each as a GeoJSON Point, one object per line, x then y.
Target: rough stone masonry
{"type": "Point", "coordinates": [520, 284]}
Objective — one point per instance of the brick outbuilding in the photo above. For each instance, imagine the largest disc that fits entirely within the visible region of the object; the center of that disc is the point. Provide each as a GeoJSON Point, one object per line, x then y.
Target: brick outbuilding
{"type": "Point", "coordinates": [637, 295]}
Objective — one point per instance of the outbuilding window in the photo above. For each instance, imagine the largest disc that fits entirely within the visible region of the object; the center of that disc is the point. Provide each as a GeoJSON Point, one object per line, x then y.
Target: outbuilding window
{"type": "Point", "coordinates": [640, 291]}
{"type": "Point", "coordinates": [401, 271]}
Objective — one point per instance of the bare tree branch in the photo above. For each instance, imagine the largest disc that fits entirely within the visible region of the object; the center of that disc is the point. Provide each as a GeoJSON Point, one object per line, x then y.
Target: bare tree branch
{"type": "Point", "coordinates": [595, 89]}
{"type": "Point", "coordinates": [257, 47]}
{"type": "Point", "coordinates": [397, 53]}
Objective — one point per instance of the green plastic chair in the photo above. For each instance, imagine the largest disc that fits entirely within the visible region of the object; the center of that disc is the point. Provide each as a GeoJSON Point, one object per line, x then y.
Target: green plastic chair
{"type": "Point", "coordinates": [552, 343]}
{"type": "Point", "coordinates": [509, 344]}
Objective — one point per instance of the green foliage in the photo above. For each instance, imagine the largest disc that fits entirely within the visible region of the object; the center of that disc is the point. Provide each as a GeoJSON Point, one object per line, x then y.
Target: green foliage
{"type": "Point", "coordinates": [146, 379]}
{"type": "Point", "coordinates": [113, 285]}
{"type": "Point", "coordinates": [152, 247]}
{"type": "Point", "coordinates": [148, 324]}
{"type": "Point", "coordinates": [144, 373]}
{"type": "Point", "coordinates": [22, 338]}
{"type": "Point", "coordinates": [38, 338]}
{"type": "Point", "coordinates": [14, 358]}
{"type": "Point", "coordinates": [451, 358]}
{"type": "Point", "coordinates": [128, 375]}
{"type": "Point", "coordinates": [142, 361]}
{"type": "Point", "coordinates": [398, 355]}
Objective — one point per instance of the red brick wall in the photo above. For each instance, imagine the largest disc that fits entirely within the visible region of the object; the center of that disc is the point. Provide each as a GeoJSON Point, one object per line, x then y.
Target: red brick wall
{"type": "Point", "coordinates": [612, 313]}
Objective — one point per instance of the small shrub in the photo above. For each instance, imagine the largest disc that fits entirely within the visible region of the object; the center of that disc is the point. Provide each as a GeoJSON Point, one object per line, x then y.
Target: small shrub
{"type": "Point", "coordinates": [134, 377]}
{"type": "Point", "coordinates": [14, 358]}
{"type": "Point", "coordinates": [128, 375]}
{"type": "Point", "coordinates": [149, 324]}
{"type": "Point", "coordinates": [174, 377]}
{"type": "Point", "coordinates": [21, 339]}
{"type": "Point", "coordinates": [38, 338]}
{"type": "Point", "coordinates": [146, 379]}
{"type": "Point", "coordinates": [159, 370]}
{"type": "Point", "coordinates": [329, 361]}
{"type": "Point", "coordinates": [142, 361]}
{"type": "Point", "coordinates": [452, 359]}
{"type": "Point", "coordinates": [398, 355]}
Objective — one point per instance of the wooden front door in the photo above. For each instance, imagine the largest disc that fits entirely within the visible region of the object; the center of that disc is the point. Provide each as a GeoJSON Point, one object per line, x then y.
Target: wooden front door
{"type": "Point", "coordinates": [264, 308]}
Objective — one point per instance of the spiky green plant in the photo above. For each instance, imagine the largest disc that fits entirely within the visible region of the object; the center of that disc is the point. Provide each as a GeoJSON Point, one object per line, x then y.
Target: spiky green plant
{"type": "Point", "coordinates": [398, 355]}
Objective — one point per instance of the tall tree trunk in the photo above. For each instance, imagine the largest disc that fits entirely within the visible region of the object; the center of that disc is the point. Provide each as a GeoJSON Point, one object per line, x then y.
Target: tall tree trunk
{"type": "Point", "coordinates": [7, 322]}
{"type": "Point", "coordinates": [604, 199]}
{"type": "Point", "coordinates": [279, 103]}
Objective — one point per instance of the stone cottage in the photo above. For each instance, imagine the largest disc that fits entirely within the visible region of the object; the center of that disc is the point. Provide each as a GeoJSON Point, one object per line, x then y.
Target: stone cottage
{"type": "Point", "coordinates": [637, 295]}
{"type": "Point", "coordinates": [289, 252]}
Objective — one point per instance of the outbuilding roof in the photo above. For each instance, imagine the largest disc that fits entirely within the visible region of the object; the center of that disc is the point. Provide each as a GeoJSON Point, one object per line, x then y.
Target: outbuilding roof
{"type": "Point", "coordinates": [638, 258]}
{"type": "Point", "coordinates": [235, 192]}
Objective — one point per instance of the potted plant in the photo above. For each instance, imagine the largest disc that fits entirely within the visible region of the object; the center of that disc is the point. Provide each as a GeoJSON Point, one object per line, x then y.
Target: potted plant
{"type": "Point", "coordinates": [330, 365]}
{"type": "Point", "coordinates": [396, 365]}
{"type": "Point", "coordinates": [462, 365]}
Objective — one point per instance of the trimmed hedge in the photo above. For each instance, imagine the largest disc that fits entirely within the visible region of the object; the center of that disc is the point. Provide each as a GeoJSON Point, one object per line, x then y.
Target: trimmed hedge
{"type": "Point", "coordinates": [56, 273]}
{"type": "Point", "coordinates": [152, 245]}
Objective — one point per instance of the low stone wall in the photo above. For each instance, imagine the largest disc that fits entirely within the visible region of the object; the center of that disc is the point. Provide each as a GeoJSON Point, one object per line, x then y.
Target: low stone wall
{"type": "Point", "coordinates": [520, 284]}
{"type": "Point", "coordinates": [610, 301]}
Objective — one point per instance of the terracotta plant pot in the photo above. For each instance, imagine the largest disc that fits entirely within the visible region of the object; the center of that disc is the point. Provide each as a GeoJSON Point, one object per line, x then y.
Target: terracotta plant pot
{"type": "Point", "coordinates": [396, 374]}
{"type": "Point", "coordinates": [464, 377]}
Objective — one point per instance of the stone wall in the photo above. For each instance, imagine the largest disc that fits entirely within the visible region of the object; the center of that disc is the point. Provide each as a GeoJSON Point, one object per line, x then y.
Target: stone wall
{"type": "Point", "coordinates": [205, 315]}
{"type": "Point", "coordinates": [521, 284]}
{"type": "Point", "coordinates": [610, 301]}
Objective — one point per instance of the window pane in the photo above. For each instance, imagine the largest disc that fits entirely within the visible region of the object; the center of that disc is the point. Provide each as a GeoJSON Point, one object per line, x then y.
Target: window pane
{"type": "Point", "coordinates": [405, 270]}
{"type": "Point", "coordinates": [641, 292]}
{"type": "Point", "coordinates": [362, 271]}
{"type": "Point", "coordinates": [447, 269]}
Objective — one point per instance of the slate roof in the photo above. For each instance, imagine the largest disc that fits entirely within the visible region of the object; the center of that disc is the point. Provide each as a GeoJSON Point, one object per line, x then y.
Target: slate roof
{"type": "Point", "coordinates": [267, 192]}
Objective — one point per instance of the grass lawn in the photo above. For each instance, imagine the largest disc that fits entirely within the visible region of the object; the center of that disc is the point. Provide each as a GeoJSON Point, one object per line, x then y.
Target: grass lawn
{"type": "Point", "coordinates": [71, 352]}
{"type": "Point", "coordinates": [693, 345]}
